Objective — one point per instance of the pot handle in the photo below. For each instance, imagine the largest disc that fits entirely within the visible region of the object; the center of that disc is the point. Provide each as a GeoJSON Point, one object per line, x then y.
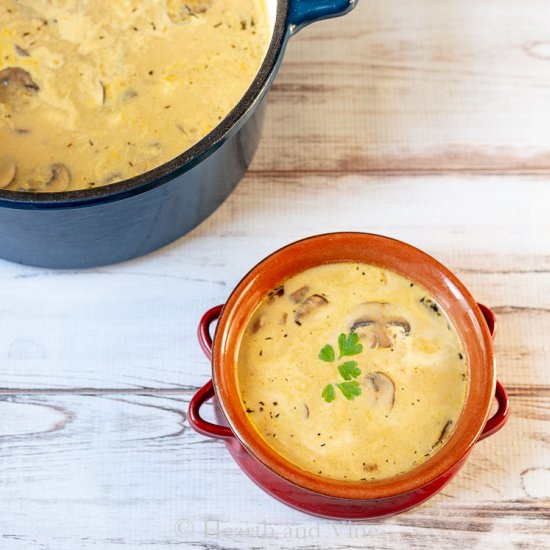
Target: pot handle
{"type": "Point", "coordinates": [304, 12]}
{"type": "Point", "coordinates": [207, 391]}
{"type": "Point", "coordinates": [497, 421]}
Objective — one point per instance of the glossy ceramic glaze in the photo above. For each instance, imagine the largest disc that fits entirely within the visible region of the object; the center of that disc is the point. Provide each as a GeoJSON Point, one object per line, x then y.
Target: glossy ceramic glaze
{"type": "Point", "coordinates": [312, 493]}
{"type": "Point", "coordinates": [127, 219]}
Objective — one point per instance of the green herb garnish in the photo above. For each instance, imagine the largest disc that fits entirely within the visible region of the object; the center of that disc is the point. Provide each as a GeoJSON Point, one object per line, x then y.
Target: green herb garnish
{"type": "Point", "coordinates": [350, 390]}
{"type": "Point", "coordinates": [349, 345]}
{"type": "Point", "coordinates": [327, 354]}
{"type": "Point", "coordinates": [328, 393]}
{"type": "Point", "coordinates": [349, 370]}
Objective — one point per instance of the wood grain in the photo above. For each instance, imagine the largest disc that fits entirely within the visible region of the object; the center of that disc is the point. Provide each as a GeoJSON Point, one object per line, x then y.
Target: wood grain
{"type": "Point", "coordinates": [136, 455]}
{"type": "Point", "coordinates": [132, 326]}
{"type": "Point", "coordinates": [426, 121]}
{"type": "Point", "coordinates": [426, 87]}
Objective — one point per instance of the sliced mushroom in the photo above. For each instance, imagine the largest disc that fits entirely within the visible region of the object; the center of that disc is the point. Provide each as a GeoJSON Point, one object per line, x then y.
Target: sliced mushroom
{"type": "Point", "coordinates": [21, 51]}
{"type": "Point", "coordinates": [298, 295]}
{"type": "Point", "coordinates": [372, 319]}
{"type": "Point", "coordinates": [444, 433]}
{"type": "Point", "coordinates": [61, 178]}
{"type": "Point", "coordinates": [278, 292]}
{"type": "Point", "coordinates": [311, 304]}
{"type": "Point", "coordinates": [258, 323]}
{"type": "Point", "coordinates": [16, 83]}
{"type": "Point", "coordinates": [379, 391]}
{"type": "Point", "coordinates": [53, 178]}
{"type": "Point", "coordinates": [431, 304]}
{"type": "Point", "coordinates": [284, 317]}
{"type": "Point", "coordinates": [181, 10]}
{"type": "Point", "coordinates": [8, 169]}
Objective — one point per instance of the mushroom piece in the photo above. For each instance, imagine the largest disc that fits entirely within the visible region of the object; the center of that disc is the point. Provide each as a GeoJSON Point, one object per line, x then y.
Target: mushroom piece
{"type": "Point", "coordinates": [258, 323]}
{"type": "Point", "coordinates": [54, 178]}
{"type": "Point", "coordinates": [15, 83]}
{"type": "Point", "coordinates": [379, 391]}
{"type": "Point", "coordinates": [278, 292]}
{"type": "Point", "coordinates": [181, 10]}
{"type": "Point", "coordinates": [21, 51]}
{"type": "Point", "coordinates": [431, 304]}
{"type": "Point", "coordinates": [444, 433]}
{"type": "Point", "coordinates": [372, 319]}
{"type": "Point", "coordinates": [298, 295]}
{"type": "Point", "coordinates": [311, 304]}
{"type": "Point", "coordinates": [8, 169]}
{"type": "Point", "coordinates": [61, 178]}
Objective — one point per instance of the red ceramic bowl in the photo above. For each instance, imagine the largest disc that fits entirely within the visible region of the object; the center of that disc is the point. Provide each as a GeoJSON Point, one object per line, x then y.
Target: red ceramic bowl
{"type": "Point", "coordinates": [312, 493]}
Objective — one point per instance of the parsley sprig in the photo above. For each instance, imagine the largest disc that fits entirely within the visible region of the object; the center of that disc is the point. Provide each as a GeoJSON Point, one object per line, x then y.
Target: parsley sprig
{"type": "Point", "coordinates": [328, 393]}
{"type": "Point", "coordinates": [349, 370]}
{"type": "Point", "coordinates": [348, 345]}
{"type": "Point", "coordinates": [327, 354]}
{"type": "Point", "coordinates": [350, 389]}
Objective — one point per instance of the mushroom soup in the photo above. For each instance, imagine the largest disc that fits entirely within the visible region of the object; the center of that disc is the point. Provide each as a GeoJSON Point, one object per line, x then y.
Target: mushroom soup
{"type": "Point", "coordinates": [96, 91]}
{"type": "Point", "coordinates": [352, 372]}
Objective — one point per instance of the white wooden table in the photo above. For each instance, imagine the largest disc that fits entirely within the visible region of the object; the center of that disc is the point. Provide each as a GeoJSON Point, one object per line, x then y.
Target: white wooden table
{"type": "Point", "coordinates": [428, 121]}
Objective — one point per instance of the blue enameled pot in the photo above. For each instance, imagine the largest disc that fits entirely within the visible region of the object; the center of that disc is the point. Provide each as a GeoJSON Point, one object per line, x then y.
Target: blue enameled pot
{"type": "Point", "coordinates": [127, 219]}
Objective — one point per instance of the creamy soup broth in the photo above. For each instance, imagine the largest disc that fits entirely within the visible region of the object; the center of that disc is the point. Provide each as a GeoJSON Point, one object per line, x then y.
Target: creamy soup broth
{"type": "Point", "coordinates": [389, 406]}
{"type": "Point", "coordinates": [96, 91]}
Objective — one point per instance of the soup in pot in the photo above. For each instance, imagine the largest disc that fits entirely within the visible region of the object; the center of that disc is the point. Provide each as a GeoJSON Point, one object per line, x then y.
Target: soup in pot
{"type": "Point", "coordinates": [352, 372]}
{"type": "Point", "coordinates": [96, 91]}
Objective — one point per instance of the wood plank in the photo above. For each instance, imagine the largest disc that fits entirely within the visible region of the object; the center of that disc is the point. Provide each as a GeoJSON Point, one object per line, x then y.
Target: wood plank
{"type": "Point", "coordinates": [400, 86]}
{"type": "Point", "coordinates": [132, 325]}
{"type": "Point", "coordinates": [118, 470]}
{"type": "Point", "coordinates": [376, 122]}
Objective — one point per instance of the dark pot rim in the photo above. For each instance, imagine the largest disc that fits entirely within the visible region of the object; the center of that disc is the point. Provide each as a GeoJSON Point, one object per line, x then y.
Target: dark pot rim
{"type": "Point", "coordinates": [178, 165]}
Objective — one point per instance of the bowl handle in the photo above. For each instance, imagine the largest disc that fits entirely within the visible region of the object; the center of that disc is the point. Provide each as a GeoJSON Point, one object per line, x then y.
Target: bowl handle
{"type": "Point", "coordinates": [491, 319]}
{"type": "Point", "coordinates": [203, 331]}
{"type": "Point", "coordinates": [304, 12]}
{"type": "Point", "coordinates": [495, 423]}
{"type": "Point", "coordinates": [207, 391]}
{"type": "Point", "coordinates": [198, 423]}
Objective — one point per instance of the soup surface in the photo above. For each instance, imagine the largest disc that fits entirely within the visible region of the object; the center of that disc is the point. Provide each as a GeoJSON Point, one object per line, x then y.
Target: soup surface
{"type": "Point", "coordinates": [352, 372]}
{"type": "Point", "coordinates": [96, 91]}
